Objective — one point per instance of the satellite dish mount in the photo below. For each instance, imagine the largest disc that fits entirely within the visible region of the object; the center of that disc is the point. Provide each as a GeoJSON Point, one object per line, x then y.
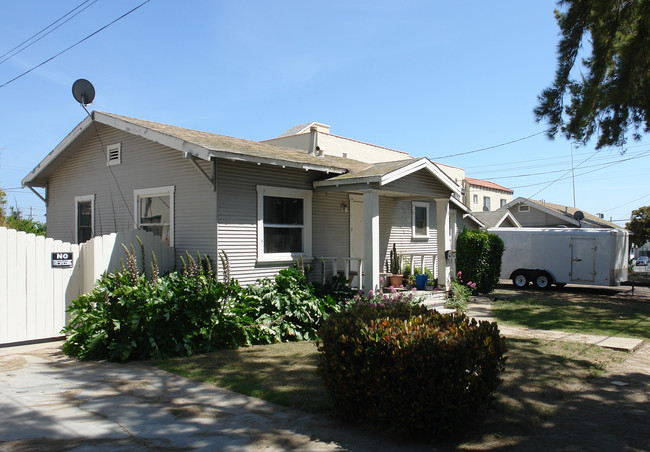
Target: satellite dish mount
{"type": "Point", "coordinates": [84, 92]}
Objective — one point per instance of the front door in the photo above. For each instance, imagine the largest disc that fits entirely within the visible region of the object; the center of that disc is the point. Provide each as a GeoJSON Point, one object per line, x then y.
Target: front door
{"type": "Point", "coordinates": [356, 232]}
{"type": "Point", "coordinates": [583, 259]}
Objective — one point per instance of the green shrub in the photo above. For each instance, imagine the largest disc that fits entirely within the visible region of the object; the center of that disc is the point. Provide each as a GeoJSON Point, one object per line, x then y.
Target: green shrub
{"type": "Point", "coordinates": [129, 317]}
{"type": "Point", "coordinates": [459, 294]}
{"type": "Point", "coordinates": [282, 309]}
{"type": "Point", "coordinates": [478, 257]}
{"type": "Point", "coordinates": [409, 370]}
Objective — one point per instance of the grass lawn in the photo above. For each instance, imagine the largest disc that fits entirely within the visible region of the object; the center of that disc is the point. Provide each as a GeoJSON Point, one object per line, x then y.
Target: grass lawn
{"type": "Point", "coordinates": [538, 376]}
{"type": "Point", "coordinates": [575, 310]}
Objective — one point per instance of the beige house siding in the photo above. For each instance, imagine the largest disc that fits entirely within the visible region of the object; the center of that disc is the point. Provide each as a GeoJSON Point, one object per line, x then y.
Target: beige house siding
{"type": "Point", "coordinates": [536, 218]}
{"type": "Point", "coordinates": [84, 172]}
{"type": "Point", "coordinates": [480, 192]}
{"type": "Point", "coordinates": [395, 224]}
{"type": "Point", "coordinates": [237, 228]}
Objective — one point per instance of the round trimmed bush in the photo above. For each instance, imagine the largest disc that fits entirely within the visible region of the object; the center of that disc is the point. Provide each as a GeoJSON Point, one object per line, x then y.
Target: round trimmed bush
{"type": "Point", "coordinates": [409, 370]}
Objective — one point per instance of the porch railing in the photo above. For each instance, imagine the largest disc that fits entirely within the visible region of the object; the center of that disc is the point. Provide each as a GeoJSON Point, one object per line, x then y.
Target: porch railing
{"type": "Point", "coordinates": [413, 258]}
{"type": "Point", "coordinates": [349, 267]}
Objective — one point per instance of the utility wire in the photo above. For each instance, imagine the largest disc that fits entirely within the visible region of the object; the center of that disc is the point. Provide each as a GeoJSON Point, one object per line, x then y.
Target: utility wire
{"type": "Point", "coordinates": [567, 172]}
{"type": "Point", "coordinates": [604, 165]}
{"type": "Point", "coordinates": [488, 148]}
{"type": "Point", "coordinates": [627, 203]}
{"type": "Point", "coordinates": [43, 30]}
{"type": "Point", "coordinates": [75, 44]}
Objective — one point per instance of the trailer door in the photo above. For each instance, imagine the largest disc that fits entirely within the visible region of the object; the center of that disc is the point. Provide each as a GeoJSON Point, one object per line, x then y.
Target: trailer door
{"type": "Point", "coordinates": [583, 259]}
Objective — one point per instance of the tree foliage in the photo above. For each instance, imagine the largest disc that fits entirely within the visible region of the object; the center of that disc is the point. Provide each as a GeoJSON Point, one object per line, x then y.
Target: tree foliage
{"type": "Point", "coordinates": [16, 221]}
{"type": "Point", "coordinates": [611, 98]}
{"type": "Point", "coordinates": [639, 226]}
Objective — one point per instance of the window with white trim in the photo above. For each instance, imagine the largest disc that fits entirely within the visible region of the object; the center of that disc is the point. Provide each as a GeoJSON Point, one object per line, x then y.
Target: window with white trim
{"type": "Point", "coordinates": [84, 218]}
{"type": "Point", "coordinates": [503, 202]}
{"type": "Point", "coordinates": [283, 223]}
{"type": "Point", "coordinates": [420, 219]}
{"type": "Point", "coordinates": [114, 154]}
{"type": "Point", "coordinates": [475, 199]}
{"type": "Point", "coordinates": [154, 211]}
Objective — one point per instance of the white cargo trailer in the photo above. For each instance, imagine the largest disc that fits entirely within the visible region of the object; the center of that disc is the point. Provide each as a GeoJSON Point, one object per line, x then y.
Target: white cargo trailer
{"type": "Point", "coordinates": [545, 256]}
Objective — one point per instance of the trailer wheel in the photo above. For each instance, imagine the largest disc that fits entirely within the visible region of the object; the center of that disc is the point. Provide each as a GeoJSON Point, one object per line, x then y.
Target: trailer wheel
{"type": "Point", "coordinates": [520, 279]}
{"type": "Point", "coordinates": [543, 280]}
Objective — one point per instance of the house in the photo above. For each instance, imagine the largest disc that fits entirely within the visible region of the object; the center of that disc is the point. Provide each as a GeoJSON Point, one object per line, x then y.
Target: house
{"type": "Point", "coordinates": [530, 213]}
{"type": "Point", "coordinates": [265, 204]}
{"type": "Point", "coordinates": [497, 219]}
{"type": "Point", "coordinates": [484, 196]}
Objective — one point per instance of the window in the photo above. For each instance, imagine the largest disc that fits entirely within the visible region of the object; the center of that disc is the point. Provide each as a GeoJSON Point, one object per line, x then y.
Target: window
{"type": "Point", "coordinates": [154, 212]}
{"type": "Point", "coordinates": [486, 203]}
{"type": "Point", "coordinates": [503, 203]}
{"type": "Point", "coordinates": [84, 218]}
{"type": "Point", "coordinates": [524, 208]}
{"type": "Point", "coordinates": [114, 154]}
{"type": "Point", "coordinates": [420, 214]}
{"type": "Point", "coordinates": [475, 199]}
{"type": "Point", "coordinates": [283, 223]}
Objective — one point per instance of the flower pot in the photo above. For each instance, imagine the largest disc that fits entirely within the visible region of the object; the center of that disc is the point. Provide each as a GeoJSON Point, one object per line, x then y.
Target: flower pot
{"type": "Point", "coordinates": [421, 281]}
{"type": "Point", "coordinates": [396, 280]}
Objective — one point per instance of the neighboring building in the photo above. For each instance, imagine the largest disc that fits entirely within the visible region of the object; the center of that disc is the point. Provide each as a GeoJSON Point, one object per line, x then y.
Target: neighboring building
{"type": "Point", "coordinates": [485, 196]}
{"type": "Point", "coordinates": [264, 203]}
{"type": "Point", "coordinates": [531, 213]}
{"type": "Point", "coordinates": [497, 219]}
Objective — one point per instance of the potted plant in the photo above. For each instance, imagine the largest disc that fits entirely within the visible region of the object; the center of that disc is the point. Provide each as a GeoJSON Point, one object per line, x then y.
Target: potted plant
{"type": "Point", "coordinates": [396, 278]}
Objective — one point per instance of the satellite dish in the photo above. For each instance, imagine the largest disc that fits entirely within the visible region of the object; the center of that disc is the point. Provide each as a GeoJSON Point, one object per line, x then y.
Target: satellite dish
{"type": "Point", "coordinates": [578, 215]}
{"type": "Point", "coordinates": [83, 91]}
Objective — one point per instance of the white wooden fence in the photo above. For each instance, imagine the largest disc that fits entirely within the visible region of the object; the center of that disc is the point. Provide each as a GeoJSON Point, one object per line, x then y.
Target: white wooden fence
{"type": "Point", "coordinates": [34, 294]}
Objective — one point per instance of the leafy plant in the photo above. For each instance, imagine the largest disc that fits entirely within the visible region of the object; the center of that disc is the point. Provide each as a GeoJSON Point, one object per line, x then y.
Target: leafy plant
{"type": "Point", "coordinates": [129, 317]}
{"type": "Point", "coordinates": [400, 367]}
{"type": "Point", "coordinates": [478, 258]}
{"type": "Point", "coordinates": [459, 294]}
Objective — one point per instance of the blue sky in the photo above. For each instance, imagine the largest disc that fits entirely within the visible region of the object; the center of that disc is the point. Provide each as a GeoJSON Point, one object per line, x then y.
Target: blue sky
{"type": "Point", "coordinates": [430, 78]}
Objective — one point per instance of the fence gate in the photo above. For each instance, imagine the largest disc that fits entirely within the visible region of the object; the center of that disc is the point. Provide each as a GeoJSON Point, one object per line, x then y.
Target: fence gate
{"type": "Point", "coordinates": [39, 277]}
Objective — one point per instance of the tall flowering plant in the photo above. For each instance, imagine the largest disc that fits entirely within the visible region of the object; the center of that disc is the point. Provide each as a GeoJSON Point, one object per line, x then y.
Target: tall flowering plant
{"type": "Point", "coordinates": [459, 294]}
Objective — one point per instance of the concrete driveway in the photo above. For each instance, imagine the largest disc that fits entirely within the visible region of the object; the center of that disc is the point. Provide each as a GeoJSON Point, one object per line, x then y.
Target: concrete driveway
{"type": "Point", "coordinates": [49, 402]}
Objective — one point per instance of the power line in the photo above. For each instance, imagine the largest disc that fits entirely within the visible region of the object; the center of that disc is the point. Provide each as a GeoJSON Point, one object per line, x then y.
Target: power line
{"type": "Point", "coordinates": [487, 148]}
{"type": "Point", "coordinates": [606, 164]}
{"type": "Point", "coordinates": [43, 30]}
{"type": "Point", "coordinates": [627, 203]}
{"type": "Point", "coordinates": [567, 172]}
{"type": "Point", "coordinates": [75, 44]}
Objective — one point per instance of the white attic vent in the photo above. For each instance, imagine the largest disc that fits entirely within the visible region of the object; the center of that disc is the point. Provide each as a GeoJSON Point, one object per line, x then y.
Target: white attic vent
{"type": "Point", "coordinates": [524, 208]}
{"type": "Point", "coordinates": [114, 154]}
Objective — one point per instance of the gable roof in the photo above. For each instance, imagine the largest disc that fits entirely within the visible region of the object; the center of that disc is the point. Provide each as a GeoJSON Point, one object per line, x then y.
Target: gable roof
{"type": "Point", "coordinates": [487, 184]}
{"type": "Point", "coordinates": [386, 172]}
{"type": "Point", "coordinates": [565, 213]}
{"type": "Point", "coordinates": [305, 128]}
{"type": "Point", "coordinates": [204, 145]}
{"type": "Point", "coordinates": [455, 203]}
{"type": "Point", "coordinates": [497, 218]}
{"type": "Point", "coordinates": [209, 146]}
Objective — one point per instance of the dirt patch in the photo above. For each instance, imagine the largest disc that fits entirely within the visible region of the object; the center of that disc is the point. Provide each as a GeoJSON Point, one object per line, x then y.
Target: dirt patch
{"type": "Point", "coordinates": [587, 399]}
{"type": "Point", "coordinates": [9, 363]}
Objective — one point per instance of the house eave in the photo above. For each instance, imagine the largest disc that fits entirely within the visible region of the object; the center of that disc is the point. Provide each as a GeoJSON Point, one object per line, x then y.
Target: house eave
{"type": "Point", "coordinates": [28, 181]}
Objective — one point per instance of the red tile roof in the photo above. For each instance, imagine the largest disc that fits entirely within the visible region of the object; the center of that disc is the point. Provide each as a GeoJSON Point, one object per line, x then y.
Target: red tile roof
{"type": "Point", "coordinates": [487, 184]}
